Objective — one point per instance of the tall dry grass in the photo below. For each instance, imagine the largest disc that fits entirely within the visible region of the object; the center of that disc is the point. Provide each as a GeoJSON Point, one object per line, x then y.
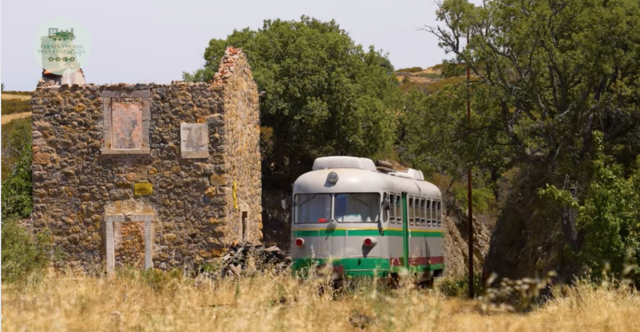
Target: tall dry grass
{"type": "Point", "coordinates": [19, 96]}
{"type": "Point", "coordinates": [133, 302]}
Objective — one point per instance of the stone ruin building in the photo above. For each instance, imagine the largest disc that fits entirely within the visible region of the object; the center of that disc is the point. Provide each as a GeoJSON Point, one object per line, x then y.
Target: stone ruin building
{"type": "Point", "coordinates": [148, 175]}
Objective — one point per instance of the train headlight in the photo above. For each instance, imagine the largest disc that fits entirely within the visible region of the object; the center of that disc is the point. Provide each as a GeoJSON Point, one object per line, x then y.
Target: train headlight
{"type": "Point", "coordinates": [332, 177]}
{"type": "Point", "coordinates": [370, 242]}
{"type": "Point", "coordinates": [299, 242]}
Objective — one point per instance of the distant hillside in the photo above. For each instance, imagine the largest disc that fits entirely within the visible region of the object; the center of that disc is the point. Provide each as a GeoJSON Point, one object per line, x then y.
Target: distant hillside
{"type": "Point", "coordinates": [427, 80]}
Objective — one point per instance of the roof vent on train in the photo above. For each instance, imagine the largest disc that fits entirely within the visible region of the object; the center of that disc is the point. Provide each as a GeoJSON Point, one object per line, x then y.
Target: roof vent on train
{"type": "Point", "coordinates": [343, 162]}
{"type": "Point", "coordinates": [409, 173]}
{"type": "Point", "coordinates": [398, 170]}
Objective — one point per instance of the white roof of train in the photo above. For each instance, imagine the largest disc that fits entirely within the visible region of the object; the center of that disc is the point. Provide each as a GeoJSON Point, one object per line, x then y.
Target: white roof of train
{"type": "Point", "coordinates": [361, 175]}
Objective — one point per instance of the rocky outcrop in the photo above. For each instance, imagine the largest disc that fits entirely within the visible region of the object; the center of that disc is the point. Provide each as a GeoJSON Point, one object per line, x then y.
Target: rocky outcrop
{"type": "Point", "coordinates": [527, 241]}
{"type": "Point", "coordinates": [456, 249]}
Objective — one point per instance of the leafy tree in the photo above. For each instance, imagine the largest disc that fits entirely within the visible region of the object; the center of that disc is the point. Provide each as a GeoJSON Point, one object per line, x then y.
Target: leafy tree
{"type": "Point", "coordinates": [439, 140]}
{"type": "Point", "coordinates": [324, 94]}
{"type": "Point", "coordinates": [554, 72]}
{"type": "Point", "coordinates": [22, 255]}
{"type": "Point", "coordinates": [608, 217]}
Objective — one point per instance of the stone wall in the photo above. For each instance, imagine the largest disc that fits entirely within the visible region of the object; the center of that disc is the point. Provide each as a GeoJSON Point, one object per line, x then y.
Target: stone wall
{"type": "Point", "coordinates": [242, 133]}
{"type": "Point", "coordinates": [125, 168]}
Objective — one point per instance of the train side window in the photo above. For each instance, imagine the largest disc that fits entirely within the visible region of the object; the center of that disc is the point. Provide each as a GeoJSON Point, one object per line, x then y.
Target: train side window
{"type": "Point", "coordinates": [439, 214]}
{"type": "Point", "coordinates": [397, 213]}
{"type": "Point", "coordinates": [434, 211]}
{"type": "Point", "coordinates": [431, 213]}
{"type": "Point", "coordinates": [416, 218]}
{"type": "Point", "coordinates": [385, 207]}
{"type": "Point", "coordinates": [423, 212]}
{"type": "Point", "coordinates": [416, 210]}
{"type": "Point", "coordinates": [410, 210]}
{"type": "Point", "coordinates": [428, 212]}
{"type": "Point", "coordinates": [392, 208]}
{"type": "Point", "coordinates": [398, 209]}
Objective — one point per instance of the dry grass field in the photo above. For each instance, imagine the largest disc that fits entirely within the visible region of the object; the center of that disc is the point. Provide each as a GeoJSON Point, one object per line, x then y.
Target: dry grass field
{"type": "Point", "coordinates": [15, 96]}
{"type": "Point", "coordinates": [131, 302]}
{"type": "Point", "coordinates": [10, 117]}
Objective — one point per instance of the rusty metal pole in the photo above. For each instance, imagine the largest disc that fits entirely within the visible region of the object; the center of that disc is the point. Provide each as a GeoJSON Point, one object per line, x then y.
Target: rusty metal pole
{"type": "Point", "coordinates": [469, 190]}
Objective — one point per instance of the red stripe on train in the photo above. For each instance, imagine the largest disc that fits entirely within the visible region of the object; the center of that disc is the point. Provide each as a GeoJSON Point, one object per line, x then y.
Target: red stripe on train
{"type": "Point", "coordinates": [417, 261]}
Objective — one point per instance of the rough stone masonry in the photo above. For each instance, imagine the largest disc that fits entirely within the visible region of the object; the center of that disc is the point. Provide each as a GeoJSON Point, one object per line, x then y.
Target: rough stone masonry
{"type": "Point", "coordinates": [148, 175]}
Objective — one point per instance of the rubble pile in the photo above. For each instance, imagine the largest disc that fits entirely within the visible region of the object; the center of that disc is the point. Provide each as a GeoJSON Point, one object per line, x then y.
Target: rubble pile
{"type": "Point", "coordinates": [247, 259]}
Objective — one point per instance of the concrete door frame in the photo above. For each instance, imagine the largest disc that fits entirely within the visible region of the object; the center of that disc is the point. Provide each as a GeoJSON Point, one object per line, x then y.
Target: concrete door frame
{"type": "Point", "coordinates": [109, 219]}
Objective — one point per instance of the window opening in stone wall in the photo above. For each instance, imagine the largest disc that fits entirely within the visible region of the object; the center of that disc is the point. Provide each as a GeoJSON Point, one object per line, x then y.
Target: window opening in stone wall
{"type": "Point", "coordinates": [126, 123]}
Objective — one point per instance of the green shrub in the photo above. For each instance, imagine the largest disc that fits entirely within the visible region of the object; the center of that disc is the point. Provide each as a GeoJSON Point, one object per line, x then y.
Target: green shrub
{"type": "Point", "coordinates": [459, 286]}
{"type": "Point", "coordinates": [16, 137]}
{"type": "Point", "coordinates": [16, 161]}
{"type": "Point", "coordinates": [22, 255]}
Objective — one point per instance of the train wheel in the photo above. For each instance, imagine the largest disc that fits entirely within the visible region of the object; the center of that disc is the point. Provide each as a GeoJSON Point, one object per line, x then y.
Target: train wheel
{"type": "Point", "coordinates": [427, 284]}
{"type": "Point", "coordinates": [394, 280]}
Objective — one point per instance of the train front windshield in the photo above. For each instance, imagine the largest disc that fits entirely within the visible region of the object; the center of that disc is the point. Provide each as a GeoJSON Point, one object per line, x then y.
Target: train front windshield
{"type": "Point", "coordinates": [347, 207]}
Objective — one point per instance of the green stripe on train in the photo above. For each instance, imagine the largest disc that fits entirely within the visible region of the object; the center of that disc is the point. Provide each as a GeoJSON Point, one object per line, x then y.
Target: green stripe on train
{"type": "Point", "coordinates": [364, 232]}
{"type": "Point", "coordinates": [360, 266]}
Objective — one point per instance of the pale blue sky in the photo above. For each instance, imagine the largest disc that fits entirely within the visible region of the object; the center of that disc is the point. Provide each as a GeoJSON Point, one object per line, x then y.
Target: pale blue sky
{"type": "Point", "coordinates": [155, 41]}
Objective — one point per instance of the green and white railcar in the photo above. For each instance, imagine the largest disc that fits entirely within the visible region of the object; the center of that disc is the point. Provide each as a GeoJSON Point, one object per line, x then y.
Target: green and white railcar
{"type": "Point", "coordinates": [361, 220]}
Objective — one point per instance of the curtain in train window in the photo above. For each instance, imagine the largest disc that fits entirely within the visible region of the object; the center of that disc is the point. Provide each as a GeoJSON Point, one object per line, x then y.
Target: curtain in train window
{"type": "Point", "coordinates": [357, 207]}
{"type": "Point", "coordinates": [313, 208]}
{"type": "Point", "coordinates": [439, 214]}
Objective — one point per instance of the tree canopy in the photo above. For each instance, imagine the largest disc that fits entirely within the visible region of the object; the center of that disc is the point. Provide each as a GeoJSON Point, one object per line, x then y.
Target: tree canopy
{"type": "Point", "coordinates": [323, 93]}
{"type": "Point", "coordinates": [548, 75]}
